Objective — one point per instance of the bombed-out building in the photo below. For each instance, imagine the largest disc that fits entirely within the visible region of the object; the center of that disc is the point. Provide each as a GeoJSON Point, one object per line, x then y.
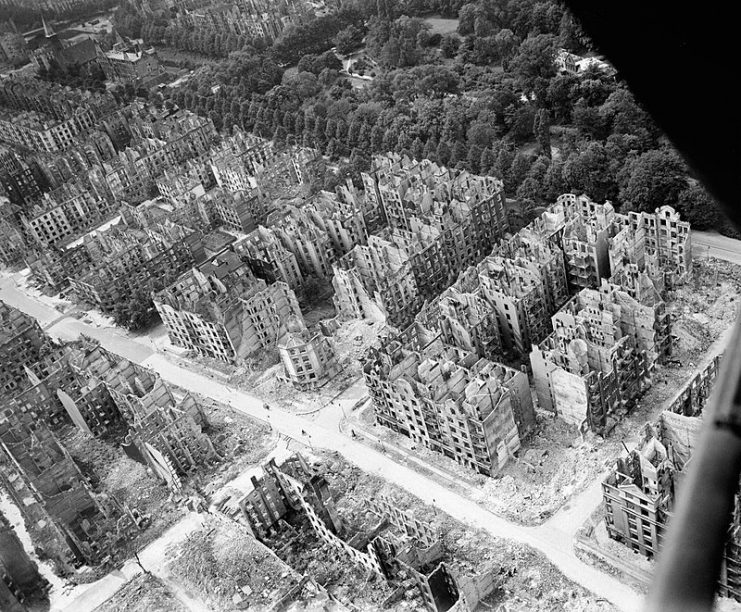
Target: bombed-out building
{"type": "Point", "coordinates": [309, 360]}
{"type": "Point", "coordinates": [404, 552]}
{"type": "Point", "coordinates": [51, 268]}
{"type": "Point", "coordinates": [658, 244]}
{"type": "Point", "coordinates": [469, 409]}
{"type": "Point", "coordinates": [640, 494]}
{"type": "Point", "coordinates": [439, 222]}
{"type": "Point", "coordinates": [164, 430]}
{"type": "Point", "coordinates": [376, 282]}
{"type": "Point", "coordinates": [54, 497]}
{"type": "Point", "coordinates": [222, 311]}
{"type": "Point", "coordinates": [130, 262]}
{"type": "Point", "coordinates": [268, 258]}
{"type": "Point", "coordinates": [25, 350]}
{"type": "Point", "coordinates": [600, 356]}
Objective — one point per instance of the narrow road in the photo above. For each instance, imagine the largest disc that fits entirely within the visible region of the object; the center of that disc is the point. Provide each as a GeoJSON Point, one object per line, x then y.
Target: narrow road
{"type": "Point", "coordinates": [555, 540]}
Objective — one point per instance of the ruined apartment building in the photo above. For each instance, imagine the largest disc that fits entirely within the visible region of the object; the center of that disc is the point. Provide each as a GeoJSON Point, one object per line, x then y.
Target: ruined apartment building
{"type": "Point", "coordinates": [13, 246]}
{"type": "Point", "coordinates": [406, 189]}
{"type": "Point", "coordinates": [239, 211]}
{"type": "Point", "coordinates": [340, 215]}
{"type": "Point", "coordinates": [483, 312]}
{"type": "Point", "coordinates": [105, 395]}
{"type": "Point", "coordinates": [59, 216]}
{"type": "Point", "coordinates": [600, 356]}
{"type": "Point", "coordinates": [455, 216]}
{"type": "Point", "coordinates": [657, 244]}
{"type": "Point", "coordinates": [57, 503]}
{"type": "Point", "coordinates": [192, 176]}
{"type": "Point", "coordinates": [640, 492]}
{"type": "Point", "coordinates": [599, 243]}
{"type": "Point", "coordinates": [309, 361]}
{"type": "Point", "coordinates": [694, 396]}
{"type": "Point", "coordinates": [272, 498]}
{"type": "Point", "coordinates": [308, 242]}
{"type": "Point", "coordinates": [164, 432]}
{"type": "Point", "coordinates": [222, 311]}
{"type": "Point", "coordinates": [469, 409]}
{"type": "Point", "coordinates": [129, 262]}
{"type": "Point", "coordinates": [439, 223]}
{"type": "Point", "coordinates": [466, 320]}
{"type": "Point", "coordinates": [238, 159]}
{"type": "Point", "coordinates": [405, 552]}
{"type": "Point", "coordinates": [51, 268]}
{"type": "Point", "coordinates": [376, 282]}
{"type": "Point", "coordinates": [242, 161]}
{"type": "Point", "coordinates": [49, 397]}
{"type": "Point", "coordinates": [268, 258]}
{"type": "Point", "coordinates": [25, 350]}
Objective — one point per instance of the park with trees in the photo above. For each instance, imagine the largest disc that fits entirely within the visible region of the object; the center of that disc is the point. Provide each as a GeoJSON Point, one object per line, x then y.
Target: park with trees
{"type": "Point", "coordinates": [487, 98]}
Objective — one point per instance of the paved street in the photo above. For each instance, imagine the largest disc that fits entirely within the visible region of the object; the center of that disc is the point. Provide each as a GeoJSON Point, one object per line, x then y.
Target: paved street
{"type": "Point", "coordinates": [715, 245]}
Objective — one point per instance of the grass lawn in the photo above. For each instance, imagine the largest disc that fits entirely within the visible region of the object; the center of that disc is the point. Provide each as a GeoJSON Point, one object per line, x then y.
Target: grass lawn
{"type": "Point", "coordinates": [442, 26]}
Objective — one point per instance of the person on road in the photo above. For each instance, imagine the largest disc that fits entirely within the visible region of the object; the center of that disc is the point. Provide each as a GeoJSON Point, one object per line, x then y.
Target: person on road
{"type": "Point", "coordinates": [303, 432]}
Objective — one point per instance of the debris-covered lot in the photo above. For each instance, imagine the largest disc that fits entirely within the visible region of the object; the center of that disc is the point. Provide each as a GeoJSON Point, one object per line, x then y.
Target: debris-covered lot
{"type": "Point", "coordinates": [145, 593]}
{"type": "Point", "coordinates": [227, 568]}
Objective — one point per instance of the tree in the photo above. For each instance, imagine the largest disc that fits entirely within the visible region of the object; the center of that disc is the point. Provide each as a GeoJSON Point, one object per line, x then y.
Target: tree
{"type": "Point", "coordinates": [458, 153]}
{"type": "Point", "coordinates": [698, 207]}
{"type": "Point", "coordinates": [430, 150]}
{"type": "Point", "coordinates": [529, 190]}
{"type": "Point", "coordinates": [473, 159]}
{"type": "Point", "coordinates": [553, 184]}
{"type": "Point", "coordinates": [467, 19]}
{"type": "Point", "coordinates": [542, 131]}
{"type": "Point", "coordinates": [507, 43]}
{"type": "Point", "coordinates": [442, 154]}
{"type": "Point", "coordinates": [377, 138]}
{"type": "Point", "coordinates": [487, 161]}
{"type": "Point", "coordinates": [652, 179]}
{"type": "Point", "coordinates": [622, 115]}
{"type": "Point", "coordinates": [589, 172]}
{"type": "Point", "coordinates": [390, 139]}
{"type": "Point", "coordinates": [560, 96]}
{"type": "Point", "coordinates": [449, 45]}
{"type": "Point", "coordinates": [589, 121]}
{"type": "Point", "coordinates": [534, 60]}
{"type": "Point", "coordinates": [391, 54]}
{"type": "Point", "coordinates": [417, 149]}
{"type": "Point", "coordinates": [348, 39]}
{"type": "Point", "coordinates": [520, 123]}
{"type": "Point", "coordinates": [517, 172]}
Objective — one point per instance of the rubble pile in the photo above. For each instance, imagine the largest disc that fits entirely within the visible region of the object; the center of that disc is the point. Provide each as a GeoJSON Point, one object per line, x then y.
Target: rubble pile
{"type": "Point", "coordinates": [229, 568]}
{"type": "Point", "coordinates": [145, 593]}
